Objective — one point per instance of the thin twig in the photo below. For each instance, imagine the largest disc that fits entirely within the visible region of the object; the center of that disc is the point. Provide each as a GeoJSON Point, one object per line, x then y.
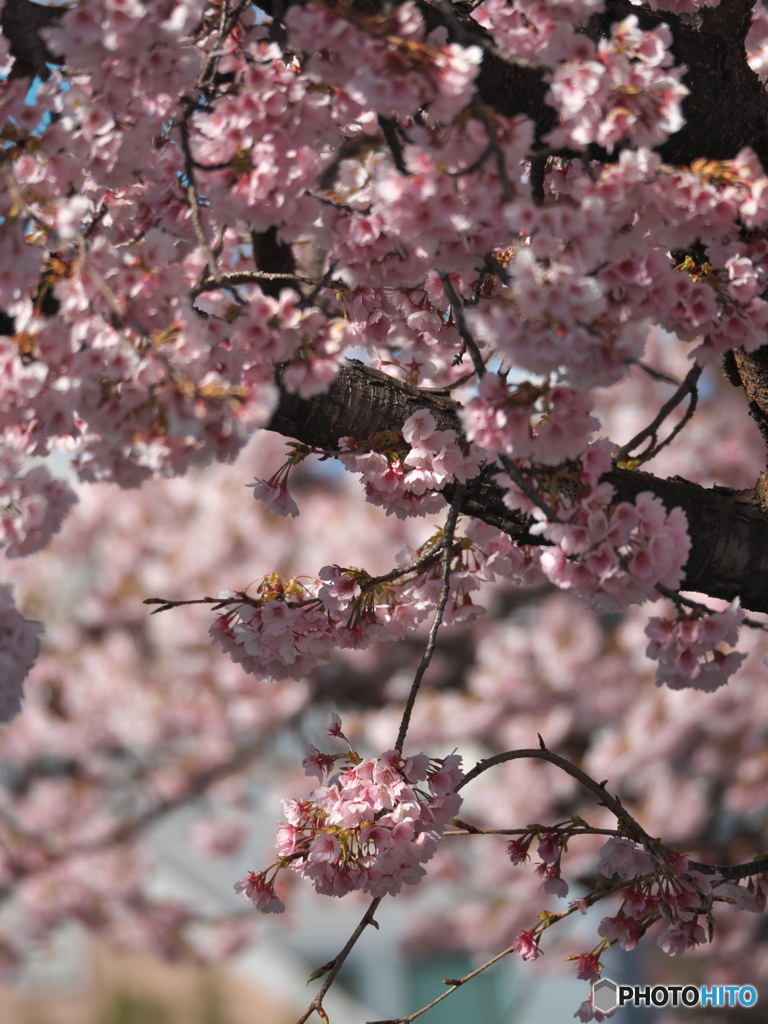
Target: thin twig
{"type": "Point", "coordinates": [474, 166]}
{"type": "Point", "coordinates": [478, 109]}
{"type": "Point", "coordinates": [519, 480]}
{"type": "Point", "coordinates": [394, 136]}
{"type": "Point", "coordinates": [166, 603]}
{"type": "Point", "coordinates": [588, 830]}
{"type": "Point", "coordinates": [227, 21]}
{"type": "Point", "coordinates": [457, 310]}
{"type": "Point", "coordinates": [630, 828]}
{"type": "Point", "coordinates": [424, 561]}
{"type": "Point", "coordinates": [650, 433]}
{"type": "Point", "coordinates": [455, 984]}
{"type": "Point", "coordinates": [192, 195]}
{"type": "Point", "coordinates": [309, 300]}
{"type": "Point", "coordinates": [419, 565]}
{"type": "Point", "coordinates": [317, 1003]}
{"type": "Point", "coordinates": [681, 602]}
{"type": "Point", "coordinates": [450, 529]}
{"type": "Point", "coordinates": [653, 373]}
{"type": "Point", "coordinates": [448, 388]}
{"type": "Point", "coordinates": [634, 831]}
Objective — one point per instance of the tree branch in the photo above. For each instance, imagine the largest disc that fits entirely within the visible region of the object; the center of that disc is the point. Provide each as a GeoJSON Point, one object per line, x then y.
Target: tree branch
{"type": "Point", "coordinates": [21, 21]}
{"type": "Point", "coordinates": [726, 108]}
{"type": "Point", "coordinates": [630, 828]}
{"type": "Point", "coordinates": [450, 527]}
{"type": "Point", "coordinates": [728, 528]}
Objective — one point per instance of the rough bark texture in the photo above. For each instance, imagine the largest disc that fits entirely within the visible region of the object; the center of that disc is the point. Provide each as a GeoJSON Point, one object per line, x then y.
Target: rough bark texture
{"type": "Point", "coordinates": [729, 529]}
{"type": "Point", "coordinates": [752, 369]}
{"type": "Point", "coordinates": [21, 21]}
{"type": "Point", "coordinates": [727, 106]}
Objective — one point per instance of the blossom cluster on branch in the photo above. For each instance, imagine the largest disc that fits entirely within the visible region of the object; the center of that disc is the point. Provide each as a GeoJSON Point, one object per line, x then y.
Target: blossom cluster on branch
{"type": "Point", "coordinates": [370, 828]}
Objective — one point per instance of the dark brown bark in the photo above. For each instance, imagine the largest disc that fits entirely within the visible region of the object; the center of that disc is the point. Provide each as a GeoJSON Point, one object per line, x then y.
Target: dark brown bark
{"type": "Point", "coordinates": [21, 21]}
{"type": "Point", "coordinates": [728, 528]}
{"type": "Point", "coordinates": [727, 106]}
{"type": "Point", "coordinates": [726, 109]}
{"type": "Point", "coordinates": [752, 369]}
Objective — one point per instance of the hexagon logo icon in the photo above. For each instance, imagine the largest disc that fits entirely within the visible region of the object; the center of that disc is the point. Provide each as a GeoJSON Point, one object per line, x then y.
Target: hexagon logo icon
{"type": "Point", "coordinates": [605, 995]}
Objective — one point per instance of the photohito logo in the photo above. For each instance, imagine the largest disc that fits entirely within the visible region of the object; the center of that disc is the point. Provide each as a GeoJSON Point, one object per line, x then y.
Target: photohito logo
{"type": "Point", "coordinates": [607, 995]}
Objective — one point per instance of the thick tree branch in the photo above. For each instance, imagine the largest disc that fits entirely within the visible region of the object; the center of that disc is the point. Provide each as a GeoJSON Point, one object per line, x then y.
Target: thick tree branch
{"type": "Point", "coordinates": [21, 21]}
{"type": "Point", "coordinates": [728, 528]}
{"type": "Point", "coordinates": [752, 370]}
{"type": "Point", "coordinates": [726, 109]}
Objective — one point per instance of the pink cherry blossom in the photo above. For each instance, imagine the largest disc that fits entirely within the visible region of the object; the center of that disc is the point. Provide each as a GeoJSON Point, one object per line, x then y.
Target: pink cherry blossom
{"type": "Point", "coordinates": [687, 648]}
{"type": "Point", "coordinates": [260, 893]}
{"type": "Point", "coordinates": [368, 828]}
{"type": "Point", "coordinates": [526, 946]}
{"type": "Point", "coordinates": [275, 497]}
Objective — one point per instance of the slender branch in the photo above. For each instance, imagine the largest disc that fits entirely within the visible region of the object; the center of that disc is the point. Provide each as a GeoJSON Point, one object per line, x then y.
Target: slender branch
{"type": "Point", "coordinates": [455, 983]}
{"type": "Point", "coordinates": [192, 195]}
{"type": "Point", "coordinates": [519, 480]}
{"type": "Point", "coordinates": [653, 373]}
{"type": "Point", "coordinates": [317, 1003]}
{"type": "Point", "coordinates": [758, 866]}
{"type": "Point", "coordinates": [227, 21]}
{"type": "Point", "coordinates": [457, 309]}
{"type": "Point", "coordinates": [598, 789]}
{"type": "Point", "coordinates": [450, 528]}
{"type": "Point", "coordinates": [650, 433]}
{"type": "Point", "coordinates": [630, 828]}
{"type": "Point", "coordinates": [589, 830]}
{"type": "Point", "coordinates": [496, 151]}
{"type": "Point", "coordinates": [166, 603]}
{"type": "Point", "coordinates": [681, 602]}
{"type": "Point", "coordinates": [394, 136]}
{"type": "Point", "coordinates": [427, 559]}
{"type": "Point", "coordinates": [419, 565]}
{"type": "Point", "coordinates": [233, 277]}
{"type": "Point", "coordinates": [474, 166]}
{"type": "Point", "coordinates": [309, 300]}
{"type": "Point", "coordinates": [228, 18]}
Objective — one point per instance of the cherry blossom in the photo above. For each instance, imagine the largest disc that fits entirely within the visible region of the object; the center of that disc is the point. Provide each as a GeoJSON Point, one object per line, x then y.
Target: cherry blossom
{"type": "Point", "coordinates": [627, 91]}
{"type": "Point", "coordinates": [409, 483]}
{"type": "Point", "coordinates": [681, 647]}
{"type": "Point", "coordinates": [260, 893]}
{"type": "Point", "coordinates": [526, 946]}
{"type": "Point", "coordinates": [33, 507]}
{"type": "Point", "coordinates": [371, 827]}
